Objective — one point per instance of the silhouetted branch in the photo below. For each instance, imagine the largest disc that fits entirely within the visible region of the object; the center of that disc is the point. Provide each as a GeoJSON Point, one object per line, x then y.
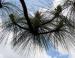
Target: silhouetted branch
{"type": "Point", "coordinates": [21, 26]}
{"type": "Point", "coordinates": [13, 20]}
{"type": "Point", "coordinates": [49, 21]}
{"type": "Point", "coordinates": [54, 30]}
{"type": "Point", "coordinates": [58, 10]}
{"type": "Point", "coordinates": [57, 29]}
{"type": "Point", "coordinates": [26, 14]}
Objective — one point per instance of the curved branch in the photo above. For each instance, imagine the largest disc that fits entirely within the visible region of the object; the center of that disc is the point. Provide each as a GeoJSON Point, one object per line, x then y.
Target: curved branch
{"type": "Point", "coordinates": [49, 21]}
{"type": "Point", "coordinates": [55, 30]}
{"type": "Point", "coordinates": [20, 26]}
{"type": "Point", "coordinates": [46, 32]}
{"type": "Point", "coordinates": [26, 14]}
{"type": "Point", "coordinates": [13, 21]}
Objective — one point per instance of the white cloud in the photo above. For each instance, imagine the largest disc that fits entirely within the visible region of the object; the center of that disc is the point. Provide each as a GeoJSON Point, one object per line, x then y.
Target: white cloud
{"type": "Point", "coordinates": [42, 54]}
{"type": "Point", "coordinates": [72, 52]}
{"type": "Point", "coordinates": [62, 50]}
{"type": "Point", "coordinates": [57, 2]}
{"type": "Point", "coordinates": [7, 52]}
{"type": "Point", "coordinates": [1, 56]}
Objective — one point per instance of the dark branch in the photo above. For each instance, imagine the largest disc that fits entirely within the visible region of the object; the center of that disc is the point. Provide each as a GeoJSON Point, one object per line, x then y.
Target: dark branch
{"type": "Point", "coordinates": [13, 21]}
{"type": "Point", "coordinates": [58, 10]}
{"type": "Point", "coordinates": [55, 30]}
{"type": "Point", "coordinates": [49, 21]}
{"type": "Point", "coordinates": [47, 32]}
{"type": "Point", "coordinates": [26, 14]}
{"type": "Point", "coordinates": [21, 26]}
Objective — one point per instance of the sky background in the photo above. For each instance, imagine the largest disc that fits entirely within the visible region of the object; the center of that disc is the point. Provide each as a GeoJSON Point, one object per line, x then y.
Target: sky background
{"type": "Point", "coordinates": [33, 5]}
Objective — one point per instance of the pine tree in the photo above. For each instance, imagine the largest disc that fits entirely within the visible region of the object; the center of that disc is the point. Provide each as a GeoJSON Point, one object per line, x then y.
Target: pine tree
{"type": "Point", "coordinates": [51, 26]}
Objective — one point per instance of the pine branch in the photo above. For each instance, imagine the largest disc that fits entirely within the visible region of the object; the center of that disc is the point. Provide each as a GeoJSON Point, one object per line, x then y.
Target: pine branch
{"type": "Point", "coordinates": [51, 31]}
{"type": "Point", "coordinates": [13, 21]}
{"type": "Point", "coordinates": [49, 21]}
{"type": "Point", "coordinates": [26, 14]}
{"type": "Point", "coordinates": [21, 26]}
{"type": "Point", "coordinates": [57, 29]}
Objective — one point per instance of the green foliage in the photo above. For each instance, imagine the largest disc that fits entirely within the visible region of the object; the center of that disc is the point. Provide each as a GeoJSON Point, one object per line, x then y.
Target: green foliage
{"type": "Point", "coordinates": [36, 21]}
{"type": "Point", "coordinates": [58, 10]}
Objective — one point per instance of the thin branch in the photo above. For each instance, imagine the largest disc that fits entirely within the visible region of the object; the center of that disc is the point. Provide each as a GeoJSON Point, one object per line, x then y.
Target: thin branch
{"type": "Point", "coordinates": [49, 21]}
{"type": "Point", "coordinates": [20, 26]}
{"type": "Point", "coordinates": [55, 30]}
{"type": "Point", "coordinates": [13, 21]}
{"type": "Point", "coordinates": [46, 32]}
{"type": "Point", "coordinates": [26, 14]}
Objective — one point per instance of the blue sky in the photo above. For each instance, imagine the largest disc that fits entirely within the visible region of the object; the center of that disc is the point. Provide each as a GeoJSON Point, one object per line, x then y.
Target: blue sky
{"type": "Point", "coordinates": [34, 5]}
